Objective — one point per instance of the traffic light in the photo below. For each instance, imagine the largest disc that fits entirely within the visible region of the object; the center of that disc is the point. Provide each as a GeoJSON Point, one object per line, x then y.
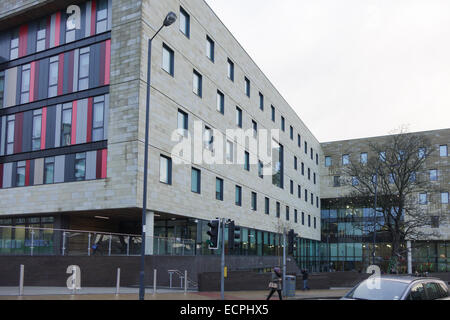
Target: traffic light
{"type": "Point", "coordinates": [214, 227]}
{"type": "Point", "coordinates": [291, 241]}
{"type": "Point", "coordinates": [234, 235]}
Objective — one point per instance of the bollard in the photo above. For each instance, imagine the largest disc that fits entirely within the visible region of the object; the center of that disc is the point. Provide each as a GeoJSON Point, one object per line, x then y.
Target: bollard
{"type": "Point", "coordinates": [185, 281]}
{"type": "Point", "coordinates": [118, 282]}
{"type": "Point", "coordinates": [154, 281]}
{"type": "Point", "coordinates": [22, 273]}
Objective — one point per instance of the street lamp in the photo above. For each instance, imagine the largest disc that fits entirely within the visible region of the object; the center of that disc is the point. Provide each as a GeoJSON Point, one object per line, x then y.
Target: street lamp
{"type": "Point", "coordinates": [169, 20]}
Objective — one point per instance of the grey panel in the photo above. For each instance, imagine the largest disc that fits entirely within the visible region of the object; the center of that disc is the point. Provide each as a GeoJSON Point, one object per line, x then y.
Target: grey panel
{"type": "Point", "coordinates": [81, 130]}
{"type": "Point", "coordinates": [5, 40]}
{"type": "Point", "coordinates": [50, 127]}
{"type": "Point", "coordinates": [88, 19]}
{"type": "Point", "coordinates": [63, 27]}
{"type": "Point", "coordinates": [59, 169]}
{"type": "Point", "coordinates": [32, 37]}
{"type": "Point", "coordinates": [38, 171]}
{"type": "Point", "coordinates": [75, 70]}
{"type": "Point", "coordinates": [69, 170]}
{"type": "Point", "coordinates": [27, 131]}
{"type": "Point", "coordinates": [2, 135]}
{"type": "Point", "coordinates": [79, 34]}
{"type": "Point", "coordinates": [52, 30]}
{"type": "Point", "coordinates": [7, 175]}
{"type": "Point", "coordinates": [66, 67]}
{"type": "Point", "coordinates": [94, 66]}
{"type": "Point", "coordinates": [109, 14]}
{"type": "Point", "coordinates": [10, 87]}
{"type": "Point", "coordinates": [58, 126]}
{"type": "Point", "coordinates": [43, 78]}
{"type": "Point", "coordinates": [106, 117]}
{"type": "Point", "coordinates": [18, 84]}
{"type": "Point", "coordinates": [91, 165]}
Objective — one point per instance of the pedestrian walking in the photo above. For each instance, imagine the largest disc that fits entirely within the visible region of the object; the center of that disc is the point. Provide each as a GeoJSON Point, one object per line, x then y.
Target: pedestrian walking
{"type": "Point", "coordinates": [305, 279]}
{"type": "Point", "coordinates": [276, 283]}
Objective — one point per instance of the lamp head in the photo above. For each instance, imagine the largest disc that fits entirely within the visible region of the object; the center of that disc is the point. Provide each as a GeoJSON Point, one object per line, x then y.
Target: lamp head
{"type": "Point", "coordinates": [170, 19]}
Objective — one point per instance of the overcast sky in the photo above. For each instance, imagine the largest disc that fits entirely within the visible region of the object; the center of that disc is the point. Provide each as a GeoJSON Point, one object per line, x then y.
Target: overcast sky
{"type": "Point", "coordinates": [351, 68]}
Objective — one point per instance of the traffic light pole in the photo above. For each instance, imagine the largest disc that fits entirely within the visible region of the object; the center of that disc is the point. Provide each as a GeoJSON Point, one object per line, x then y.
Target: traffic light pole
{"type": "Point", "coordinates": [222, 263]}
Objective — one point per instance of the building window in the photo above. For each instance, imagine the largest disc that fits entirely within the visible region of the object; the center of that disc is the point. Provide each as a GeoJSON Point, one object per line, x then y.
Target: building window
{"type": "Point", "coordinates": [83, 73]}
{"type": "Point", "coordinates": [317, 159]}
{"type": "Point", "coordinates": [41, 33]}
{"type": "Point", "coordinates": [383, 156]}
{"type": "Point", "coordinates": [443, 150]}
{"type": "Point", "coordinates": [312, 198]}
{"type": "Point", "coordinates": [66, 125]}
{"type": "Point", "coordinates": [98, 118]}
{"type": "Point", "coordinates": [70, 30]}
{"type": "Point", "coordinates": [336, 181]}
{"type": "Point", "coordinates": [328, 162]}
{"type": "Point", "coordinates": [267, 206]}
{"type": "Point", "coordinates": [210, 48]}
{"type": "Point", "coordinates": [299, 191]}
{"type": "Point", "coordinates": [80, 166]}
{"type": "Point", "coordinates": [14, 53]}
{"type": "Point", "coordinates": [230, 152]}
{"type": "Point", "coordinates": [433, 175]}
{"type": "Point", "coordinates": [230, 70]}
{"type": "Point", "coordinates": [37, 124]}
{"type": "Point", "coordinates": [25, 87]}
{"type": "Point", "coordinates": [355, 181]}
{"type": "Point", "coordinates": [303, 168]}
{"type": "Point", "coordinates": [303, 218]}
{"type": "Point", "coordinates": [260, 169]}
{"type": "Point", "coordinates": [291, 132]}
{"type": "Point", "coordinates": [247, 161]}
{"type": "Point", "coordinates": [239, 117]}
{"type": "Point", "coordinates": [287, 213]}
{"type": "Point", "coordinates": [306, 195]}
{"type": "Point", "coordinates": [278, 209]}
{"type": "Point", "coordinates": [102, 17]}
{"type": "Point", "coordinates": [238, 197]}
{"type": "Point", "coordinates": [309, 174]}
{"type": "Point", "coordinates": [292, 187]}
{"type": "Point", "coordinates": [20, 173]}
{"type": "Point", "coordinates": [317, 202]}
{"type": "Point", "coordinates": [345, 159]}
{"type": "Point", "coordinates": [168, 60]}
{"type": "Point", "coordinates": [2, 87]}
{"type": "Point", "coordinates": [444, 197]}
{"type": "Point", "coordinates": [299, 141]}
{"type": "Point", "coordinates": [435, 222]}
{"type": "Point", "coordinates": [309, 220]}
{"type": "Point", "coordinates": [185, 22]}
{"type": "Point", "coordinates": [312, 154]}
{"type": "Point", "coordinates": [283, 124]}
{"type": "Point", "coordinates": [315, 223]}
{"type": "Point", "coordinates": [295, 163]}
{"type": "Point", "coordinates": [261, 101]}
{"type": "Point", "coordinates": [196, 181]}
{"type": "Point", "coordinates": [53, 77]}
{"type": "Point", "coordinates": [208, 139]}
{"type": "Point", "coordinates": [254, 201]}
{"type": "Point", "coordinates": [182, 123]}
{"type": "Point", "coordinates": [49, 170]}
{"type": "Point", "coordinates": [247, 87]}
{"type": "Point", "coordinates": [197, 83]}
{"type": "Point", "coordinates": [295, 216]}
{"type": "Point", "coordinates": [272, 108]}
{"type": "Point", "coordinates": [255, 128]}
{"type": "Point", "coordinates": [423, 198]}
{"type": "Point", "coordinates": [219, 189]}
{"type": "Point", "coordinates": [363, 158]}
{"type": "Point", "coordinates": [10, 134]}
{"type": "Point", "coordinates": [220, 102]}
{"type": "Point", "coordinates": [422, 153]}
{"type": "Point", "coordinates": [278, 165]}
{"type": "Point", "coordinates": [314, 178]}
{"type": "Point", "coordinates": [165, 170]}
{"type": "Point", "coordinates": [412, 177]}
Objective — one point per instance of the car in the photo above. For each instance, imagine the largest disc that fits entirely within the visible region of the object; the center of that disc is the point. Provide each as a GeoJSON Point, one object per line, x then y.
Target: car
{"type": "Point", "coordinates": [399, 288]}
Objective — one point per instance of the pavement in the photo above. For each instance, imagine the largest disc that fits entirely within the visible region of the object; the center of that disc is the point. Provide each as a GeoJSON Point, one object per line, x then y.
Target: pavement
{"type": "Point", "coordinates": [53, 293]}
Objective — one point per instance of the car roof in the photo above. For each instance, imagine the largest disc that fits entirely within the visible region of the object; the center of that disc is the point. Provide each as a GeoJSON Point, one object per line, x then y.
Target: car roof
{"type": "Point", "coordinates": [406, 278]}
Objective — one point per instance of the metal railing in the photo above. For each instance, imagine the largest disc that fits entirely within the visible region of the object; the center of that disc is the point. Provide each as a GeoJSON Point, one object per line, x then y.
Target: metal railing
{"type": "Point", "coordinates": [44, 241]}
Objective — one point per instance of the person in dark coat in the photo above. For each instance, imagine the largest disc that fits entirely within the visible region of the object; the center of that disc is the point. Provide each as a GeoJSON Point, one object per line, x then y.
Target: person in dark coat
{"type": "Point", "coordinates": [276, 283]}
{"type": "Point", "coordinates": [305, 279]}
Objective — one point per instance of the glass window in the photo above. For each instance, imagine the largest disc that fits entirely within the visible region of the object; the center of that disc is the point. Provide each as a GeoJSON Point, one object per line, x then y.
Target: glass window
{"type": "Point", "coordinates": [208, 139]}
{"type": "Point", "coordinates": [423, 198]}
{"type": "Point", "coordinates": [283, 124]}
{"type": "Point", "coordinates": [328, 162]}
{"type": "Point", "coordinates": [83, 73]}
{"type": "Point", "coordinates": [355, 181]}
{"type": "Point", "coordinates": [345, 159]}
{"type": "Point", "coordinates": [295, 216]}
{"type": "Point", "coordinates": [254, 201]}
{"type": "Point", "coordinates": [267, 205]}
{"type": "Point", "coordinates": [363, 157]}
{"type": "Point", "coordinates": [299, 192]}
{"type": "Point", "coordinates": [278, 165]}
{"type": "Point", "coordinates": [196, 181]}
{"type": "Point", "coordinates": [98, 119]}
{"type": "Point", "coordinates": [444, 197]}
{"type": "Point", "coordinates": [2, 87]}
{"type": "Point", "coordinates": [168, 60]}
{"type": "Point", "coordinates": [20, 174]}
{"type": "Point", "coordinates": [165, 170]}
{"type": "Point", "coordinates": [66, 127]}
{"type": "Point", "coordinates": [247, 87]}
{"type": "Point", "coordinates": [185, 21]}
{"type": "Point", "coordinates": [255, 128]}
{"type": "Point", "coordinates": [25, 88]}
{"type": "Point", "coordinates": [443, 150]}
{"type": "Point", "coordinates": [433, 175]}
{"type": "Point", "coordinates": [239, 117]}
{"type": "Point", "coordinates": [247, 161]}
{"type": "Point", "coordinates": [14, 53]}
{"type": "Point", "coordinates": [41, 33]}
{"type": "Point", "coordinates": [303, 218]}
{"type": "Point", "coordinates": [80, 166]}
{"type": "Point", "coordinates": [291, 132]}
{"type": "Point", "coordinates": [230, 70]}
{"type": "Point", "coordinates": [10, 135]}
{"type": "Point", "coordinates": [102, 16]}
{"type": "Point", "coordinates": [273, 113]}
{"type": "Point", "coordinates": [306, 147]}
{"type": "Point", "coordinates": [292, 187]}
{"type": "Point", "coordinates": [197, 83]}
{"type": "Point", "coordinates": [210, 48]}
{"type": "Point", "coordinates": [49, 169]}
{"type": "Point", "coordinates": [220, 102]}
{"type": "Point", "coordinates": [417, 293]}
{"type": "Point", "coordinates": [336, 181]}
{"type": "Point", "coordinates": [53, 77]}
{"type": "Point", "coordinates": [383, 156]}
{"type": "Point", "coordinates": [229, 151]}
{"type": "Point", "coordinates": [260, 169]}
{"type": "Point", "coordinates": [422, 153]}
{"type": "Point", "coordinates": [261, 101]}
{"type": "Point", "coordinates": [182, 123]}
{"type": "Point", "coordinates": [238, 196]}
{"type": "Point", "coordinates": [278, 209]}
{"type": "Point", "coordinates": [37, 123]}
{"type": "Point", "coordinates": [219, 189]}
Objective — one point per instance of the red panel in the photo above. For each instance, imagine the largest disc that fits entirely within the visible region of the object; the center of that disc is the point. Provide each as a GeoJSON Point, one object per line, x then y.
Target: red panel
{"type": "Point", "coordinates": [93, 17]}
{"type": "Point", "coordinates": [104, 161]}
{"type": "Point", "coordinates": [74, 122]}
{"type": "Point", "coordinates": [60, 73]}
{"type": "Point", "coordinates": [43, 127]}
{"type": "Point", "coordinates": [23, 36]}
{"type": "Point", "coordinates": [107, 61]}
{"type": "Point", "coordinates": [89, 121]}
{"type": "Point", "coordinates": [1, 175]}
{"type": "Point", "coordinates": [57, 28]}
{"type": "Point", "coordinates": [32, 82]}
{"type": "Point", "coordinates": [27, 173]}
{"type": "Point", "coordinates": [18, 126]}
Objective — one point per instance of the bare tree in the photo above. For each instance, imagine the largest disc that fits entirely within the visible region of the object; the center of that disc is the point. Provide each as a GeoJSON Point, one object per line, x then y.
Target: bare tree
{"type": "Point", "coordinates": [394, 173]}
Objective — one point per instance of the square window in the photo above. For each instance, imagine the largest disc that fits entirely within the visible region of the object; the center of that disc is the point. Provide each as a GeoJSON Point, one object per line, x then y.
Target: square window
{"type": "Point", "coordinates": [168, 60]}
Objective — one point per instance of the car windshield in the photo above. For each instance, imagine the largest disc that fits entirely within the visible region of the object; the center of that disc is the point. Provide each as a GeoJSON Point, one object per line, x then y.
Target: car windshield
{"type": "Point", "coordinates": [378, 289]}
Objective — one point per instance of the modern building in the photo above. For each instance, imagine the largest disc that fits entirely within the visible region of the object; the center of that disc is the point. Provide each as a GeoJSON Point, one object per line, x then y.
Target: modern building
{"type": "Point", "coordinates": [73, 89]}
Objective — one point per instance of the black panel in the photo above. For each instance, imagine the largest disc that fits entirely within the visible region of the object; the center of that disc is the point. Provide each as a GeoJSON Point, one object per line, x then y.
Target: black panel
{"type": "Point", "coordinates": [13, 175]}
{"type": "Point", "coordinates": [50, 127]}
{"type": "Point", "coordinates": [27, 131]}
{"type": "Point", "coordinates": [31, 172]}
{"type": "Point", "coordinates": [19, 84]}
{"type": "Point", "coordinates": [67, 68]}
{"type": "Point", "coordinates": [43, 78]}
{"type": "Point", "coordinates": [63, 27]}
{"type": "Point", "coordinates": [69, 168]}
{"type": "Point", "coordinates": [32, 37]}
{"type": "Point", "coordinates": [94, 66]}
{"type": "Point", "coordinates": [5, 42]}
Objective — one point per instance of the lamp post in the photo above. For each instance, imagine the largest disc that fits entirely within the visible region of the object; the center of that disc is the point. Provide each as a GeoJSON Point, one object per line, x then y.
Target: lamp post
{"type": "Point", "coordinates": [169, 20]}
